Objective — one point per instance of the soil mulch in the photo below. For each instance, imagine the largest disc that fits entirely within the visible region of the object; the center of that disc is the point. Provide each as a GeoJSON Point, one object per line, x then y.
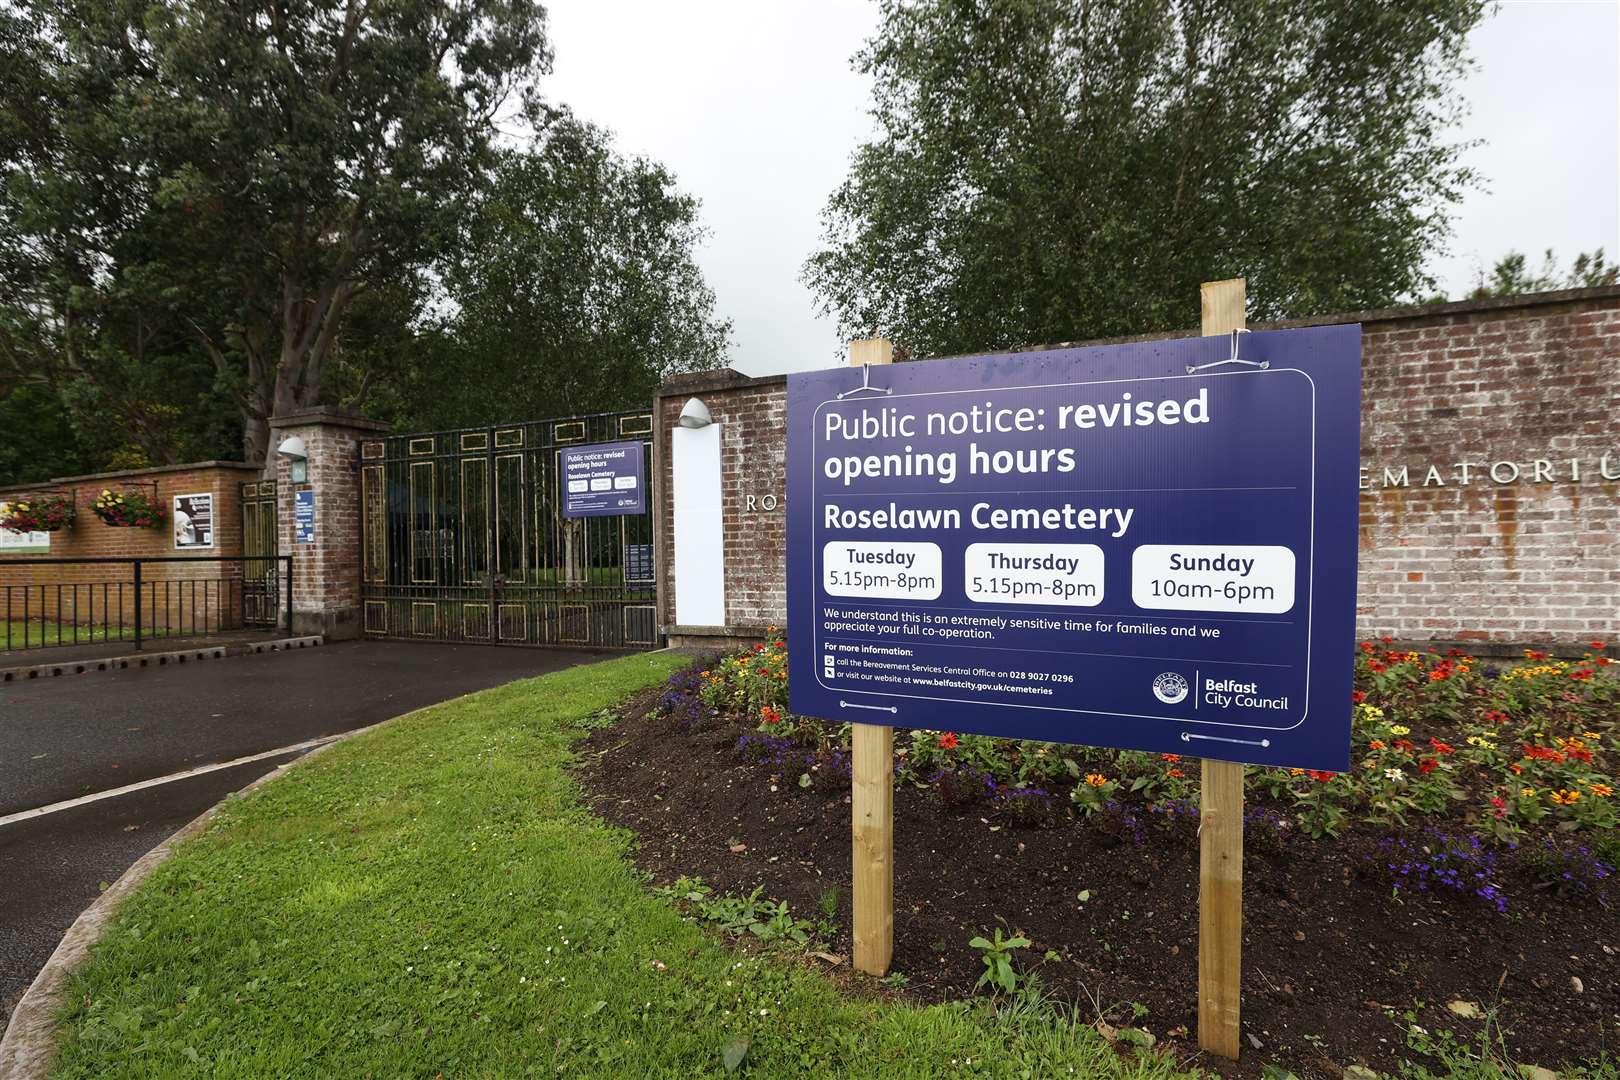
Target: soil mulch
{"type": "Point", "coordinates": [1332, 959]}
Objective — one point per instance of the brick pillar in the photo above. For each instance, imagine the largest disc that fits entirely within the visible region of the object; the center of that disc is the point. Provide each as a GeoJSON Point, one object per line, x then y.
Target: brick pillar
{"type": "Point", "coordinates": [326, 573]}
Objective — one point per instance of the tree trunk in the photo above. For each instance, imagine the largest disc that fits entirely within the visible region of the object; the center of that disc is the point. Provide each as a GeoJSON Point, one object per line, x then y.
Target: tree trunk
{"type": "Point", "coordinates": [255, 439]}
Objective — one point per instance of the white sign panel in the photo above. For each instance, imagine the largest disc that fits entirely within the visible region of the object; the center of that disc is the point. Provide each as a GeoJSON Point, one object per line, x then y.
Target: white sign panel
{"type": "Point", "coordinates": [194, 521]}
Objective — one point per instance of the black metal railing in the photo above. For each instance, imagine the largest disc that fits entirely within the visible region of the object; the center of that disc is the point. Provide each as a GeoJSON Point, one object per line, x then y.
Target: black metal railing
{"type": "Point", "coordinates": [153, 599]}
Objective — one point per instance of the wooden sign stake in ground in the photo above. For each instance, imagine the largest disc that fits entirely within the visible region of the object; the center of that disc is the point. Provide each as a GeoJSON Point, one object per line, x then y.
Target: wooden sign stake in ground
{"type": "Point", "coordinates": [871, 763]}
{"type": "Point", "coordinates": [1220, 820]}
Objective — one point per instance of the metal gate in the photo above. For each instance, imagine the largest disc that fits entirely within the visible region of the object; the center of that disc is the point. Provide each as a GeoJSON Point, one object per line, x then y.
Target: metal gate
{"type": "Point", "coordinates": [463, 539]}
{"type": "Point", "coordinates": [261, 580]}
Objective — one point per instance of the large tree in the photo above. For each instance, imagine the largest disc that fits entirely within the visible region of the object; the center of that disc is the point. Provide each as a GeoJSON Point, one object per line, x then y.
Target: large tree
{"type": "Point", "coordinates": [220, 183]}
{"type": "Point", "coordinates": [1051, 170]}
{"type": "Point", "coordinates": [574, 288]}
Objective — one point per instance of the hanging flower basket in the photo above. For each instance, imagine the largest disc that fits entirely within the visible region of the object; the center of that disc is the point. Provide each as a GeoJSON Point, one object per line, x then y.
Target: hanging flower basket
{"type": "Point", "coordinates": [41, 513]}
{"type": "Point", "coordinates": [127, 509]}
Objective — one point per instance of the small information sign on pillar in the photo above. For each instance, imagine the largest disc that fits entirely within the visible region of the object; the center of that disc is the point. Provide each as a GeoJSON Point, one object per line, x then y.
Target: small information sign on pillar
{"type": "Point", "coordinates": [1148, 546]}
{"type": "Point", "coordinates": [304, 516]}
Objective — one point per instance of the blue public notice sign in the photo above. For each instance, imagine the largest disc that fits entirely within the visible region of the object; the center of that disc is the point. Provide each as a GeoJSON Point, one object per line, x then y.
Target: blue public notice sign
{"type": "Point", "coordinates": [602, 480]}
{"type": "Point", "coordinates": [304, 516]}
{"type": "Point", "coordinates": [1089, 545]}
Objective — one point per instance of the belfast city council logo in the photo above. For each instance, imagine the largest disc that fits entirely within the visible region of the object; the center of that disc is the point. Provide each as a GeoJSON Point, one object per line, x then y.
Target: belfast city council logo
{"type": "Point", "coordinates": [1170, 688]}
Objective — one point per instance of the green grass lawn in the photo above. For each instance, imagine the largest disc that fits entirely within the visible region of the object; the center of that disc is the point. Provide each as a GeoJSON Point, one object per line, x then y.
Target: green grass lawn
{"type": "Point", "coordinates": [49, 635]}
{"type": "Point", "coordinates": [432, 899]}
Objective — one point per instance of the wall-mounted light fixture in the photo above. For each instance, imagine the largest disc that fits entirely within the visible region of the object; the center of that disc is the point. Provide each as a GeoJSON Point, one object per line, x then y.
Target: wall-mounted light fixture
{"type": "Point", "coordinates": [297, 456]}
{"type": "Point", "coordinates": [695, 414]}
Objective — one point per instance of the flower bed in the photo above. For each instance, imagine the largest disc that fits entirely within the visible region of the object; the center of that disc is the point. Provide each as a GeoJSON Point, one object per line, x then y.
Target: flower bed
{"type": "Point", "coordinates": [1500, 752]}
{"type": "Point", "coordinates": [1466, 859]}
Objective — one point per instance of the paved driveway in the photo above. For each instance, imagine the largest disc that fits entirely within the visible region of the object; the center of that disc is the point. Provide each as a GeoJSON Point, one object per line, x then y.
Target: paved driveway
{"type": "Point", "coordinates": [68, 737]}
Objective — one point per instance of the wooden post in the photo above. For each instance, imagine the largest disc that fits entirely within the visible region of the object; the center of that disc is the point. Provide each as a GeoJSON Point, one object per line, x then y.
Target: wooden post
{"type": "Point", "coordinates": [871, 763]}
{"type": "Point", "coordinates": [1220, 819]}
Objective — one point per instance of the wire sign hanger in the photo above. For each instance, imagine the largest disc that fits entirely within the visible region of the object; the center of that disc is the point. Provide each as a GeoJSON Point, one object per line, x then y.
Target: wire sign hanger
{"type": "Point", "coordinates": [866, 385]}
{"type": "Point", "coordinates": [1193, 369]}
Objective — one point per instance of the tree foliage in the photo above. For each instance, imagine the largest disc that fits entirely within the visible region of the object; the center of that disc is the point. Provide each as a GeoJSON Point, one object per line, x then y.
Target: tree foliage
{"type": "Point", "coordinates": [37, 442]}
{"type": "Point", "coordinates": [574, 288]}
{"type": "Point", "coordinates": [1512, 275]}
{"type": "Point", "coordinates": [208, 182]}
{"type": "Point", "coordinates": [1051, 170]}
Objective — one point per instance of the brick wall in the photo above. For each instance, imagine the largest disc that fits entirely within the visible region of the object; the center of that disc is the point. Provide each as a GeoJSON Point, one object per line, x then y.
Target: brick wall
{"type": "Point", "coordinates": [1520, 396]}
{"type": "Point", "coordinates": [753, 449]}
{"type": "Point", "coordinates": [326, 573]}
{"type": "Point", "coordinates": [1522, 402]}
{"type": "Point", "coordinates": [179, 597]}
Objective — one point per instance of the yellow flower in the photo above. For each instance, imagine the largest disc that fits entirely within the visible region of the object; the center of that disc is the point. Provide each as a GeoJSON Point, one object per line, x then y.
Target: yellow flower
{"type": "Point", "coordinates": [1590, 735]}
{"type": "Point", "coordinates": [1602, 791]}
{"type": "Point", "coordinates": [1565, 798]}
{"type": "Point", "coordinates": [1528, 792]}
{"type": "Point", "coordinates": [1400, 729]}
{"type": "Point", "coordinates": [1296, 772]}
{"type": "Point", "coordinates": [1096, 779]}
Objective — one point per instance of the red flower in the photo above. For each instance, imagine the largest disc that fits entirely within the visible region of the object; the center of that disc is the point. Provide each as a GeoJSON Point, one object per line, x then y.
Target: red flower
{"type": "Point", "coordinates": [1170, 757]}
{"type": "Point", "coordinates": [1531, 654]}
{"type": "Point", "coordinates": [1439, 674]}
{"type": "Point", "coordinates": [1367, 646]}
{"type": "Point", "coordinates": [947, 741]}
{"type": "Point", "coordinates": [1496, 716]}
{"type": "Point", "coordinates": [1428, 765]}
{"type": "Point", "coordinates": [1440, 747]}
{"type": "Point", "coordinates": [1387, 640]}
{"type": "Point", "coordinates": [1404, 745]}
{"type": "Point", "coordinates": [1581, 673]}
{"type": "Point", "coordinates": [770, 715]}
{"type": "Point", "coordinates": [1496, 801]}
{"type": "Point", "coordinates": [1375, 665]}
{"type": "Point", "coordinates": [1358, 696]}
{"type": "Point", "coordinates": [1320, 777]}
{"type": "Point", "coordinates": [1580, 753]}
{"type": "Point", "coordinates": [1597, 645]}
{"type": "Point", "coordinates": [1177, 773]}
{"type": "Point", "coordinates": [1542, 753]}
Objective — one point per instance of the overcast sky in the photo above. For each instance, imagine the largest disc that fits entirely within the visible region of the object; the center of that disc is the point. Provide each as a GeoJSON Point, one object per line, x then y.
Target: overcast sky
{"type": "Point", "coordinates": [755, 108]}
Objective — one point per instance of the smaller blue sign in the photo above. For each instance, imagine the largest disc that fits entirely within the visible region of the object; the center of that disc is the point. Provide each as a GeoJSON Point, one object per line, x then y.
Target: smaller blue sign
{"type": "Point", "coordinates": [603, 480]}
{"type": "Point", "coordinates": [304, 517]}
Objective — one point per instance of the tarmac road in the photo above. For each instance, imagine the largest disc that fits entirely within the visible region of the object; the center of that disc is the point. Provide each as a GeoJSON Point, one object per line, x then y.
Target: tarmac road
{"type": "Point", "coordinates": [64, 738]}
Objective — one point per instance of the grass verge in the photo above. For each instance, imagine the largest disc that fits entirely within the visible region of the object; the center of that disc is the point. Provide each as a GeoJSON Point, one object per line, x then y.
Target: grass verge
{"type": "Point", "coordinates": [16, 634]}
{"type": "Point", "coordinates": [432, 899]}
